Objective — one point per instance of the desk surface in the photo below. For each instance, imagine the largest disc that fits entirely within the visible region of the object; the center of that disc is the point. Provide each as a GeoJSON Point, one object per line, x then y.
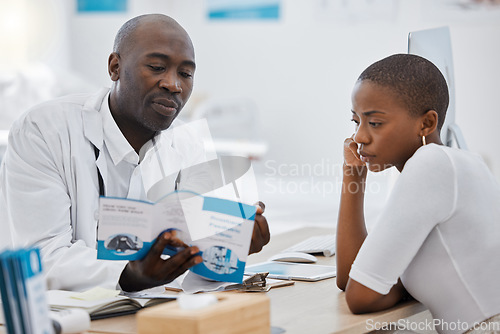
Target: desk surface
{"type": "Point", "coordinates": [306, 307]}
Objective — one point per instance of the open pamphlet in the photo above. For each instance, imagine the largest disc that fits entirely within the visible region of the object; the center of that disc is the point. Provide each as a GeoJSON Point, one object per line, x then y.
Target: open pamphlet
{"type": "Point", "coordinates": [220, 228]}
{"type": "Point", "coordinates": [102, 303]}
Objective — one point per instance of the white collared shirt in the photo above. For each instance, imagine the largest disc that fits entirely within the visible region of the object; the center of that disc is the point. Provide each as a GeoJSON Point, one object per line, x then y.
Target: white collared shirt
{"type": "Point", "coordinates": [121, 159]}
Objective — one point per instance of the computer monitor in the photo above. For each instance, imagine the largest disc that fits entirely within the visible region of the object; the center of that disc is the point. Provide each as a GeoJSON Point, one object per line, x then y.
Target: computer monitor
{"type": "Point", "coordinates": [435, 45]}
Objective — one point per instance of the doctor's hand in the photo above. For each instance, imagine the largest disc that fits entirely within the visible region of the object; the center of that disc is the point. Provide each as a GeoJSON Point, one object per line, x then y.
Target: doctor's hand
{"type": "Point", "coordinates": [261, 235]}
{"type": "Point", "coordinates": [153, 271]}
{"type": "Point", "coordinates": [351, 155]}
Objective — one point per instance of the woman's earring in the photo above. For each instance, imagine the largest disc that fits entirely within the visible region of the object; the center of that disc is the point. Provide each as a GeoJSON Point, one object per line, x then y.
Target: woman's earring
{"type": "Point", "coordinates": [423, 141]}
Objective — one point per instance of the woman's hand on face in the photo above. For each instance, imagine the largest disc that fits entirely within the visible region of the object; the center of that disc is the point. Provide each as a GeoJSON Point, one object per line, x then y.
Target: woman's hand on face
{"type": "Point", "coordinates": [351, 155]}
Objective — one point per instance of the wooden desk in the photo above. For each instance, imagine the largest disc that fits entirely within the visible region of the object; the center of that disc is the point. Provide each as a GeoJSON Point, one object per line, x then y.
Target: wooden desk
{"type": "Point", "coordinates": [306, 307]}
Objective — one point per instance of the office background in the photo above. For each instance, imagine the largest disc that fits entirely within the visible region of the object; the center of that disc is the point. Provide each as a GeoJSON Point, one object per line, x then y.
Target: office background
{"type": "Point", "coordinates": [298, 69]}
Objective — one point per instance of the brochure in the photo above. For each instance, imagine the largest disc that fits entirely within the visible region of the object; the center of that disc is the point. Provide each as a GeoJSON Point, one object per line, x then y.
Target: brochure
{"type": "Point", "coordinates": [10, 301]}
{"type": "Point", "coordinates": [220, 228]}
{"type": "Point", "coordinates": [23, 292]}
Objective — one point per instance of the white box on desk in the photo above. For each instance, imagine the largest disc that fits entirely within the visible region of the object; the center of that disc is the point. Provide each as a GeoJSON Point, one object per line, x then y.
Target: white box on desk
{"type": "Point", "coordinates": [233, 313]}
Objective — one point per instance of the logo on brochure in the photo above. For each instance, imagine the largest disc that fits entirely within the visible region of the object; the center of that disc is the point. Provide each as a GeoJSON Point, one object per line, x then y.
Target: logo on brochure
{"type": "Point", "coordinates": [123, 243]}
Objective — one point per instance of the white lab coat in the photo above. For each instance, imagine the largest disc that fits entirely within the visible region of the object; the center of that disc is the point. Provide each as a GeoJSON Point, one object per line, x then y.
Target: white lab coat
{"type": "Point", "coordinates": [49, 190]}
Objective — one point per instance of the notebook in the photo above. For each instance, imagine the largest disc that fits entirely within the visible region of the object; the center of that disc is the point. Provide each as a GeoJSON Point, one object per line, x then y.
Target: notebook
{"type": "Point", "coordinates": [103, 306]}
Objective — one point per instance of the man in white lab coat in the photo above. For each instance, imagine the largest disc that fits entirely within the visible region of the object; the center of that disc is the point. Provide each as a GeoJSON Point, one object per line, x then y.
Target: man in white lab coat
{"type": "Point", "coordinates": [64, 153]}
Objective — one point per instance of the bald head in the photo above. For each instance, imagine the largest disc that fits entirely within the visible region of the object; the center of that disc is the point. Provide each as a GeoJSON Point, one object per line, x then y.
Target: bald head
{"type": "Point", "coordinates": [152, 67]}
{"type": "Point", "coordinates": [126, 35]}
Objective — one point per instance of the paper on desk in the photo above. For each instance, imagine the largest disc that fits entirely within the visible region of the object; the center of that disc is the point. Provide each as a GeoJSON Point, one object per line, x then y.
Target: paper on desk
{"type": "Point", "coordinates": [194, 283]}
{"type": "Point", "coordinates": [156, 292]}
{"type": "Point", "coordinates": [96, 293]}
{"type": "Point", "coordinates": [63, 299]}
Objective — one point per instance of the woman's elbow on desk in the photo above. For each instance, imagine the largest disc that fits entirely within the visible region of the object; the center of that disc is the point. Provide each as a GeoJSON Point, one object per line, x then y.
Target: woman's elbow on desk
{"type": "Point", "coordinates": [356, 305]}
{"type": "Point", "coordinates": [357, 297]}
{"type": "Point", "coordinates": [361, 299]}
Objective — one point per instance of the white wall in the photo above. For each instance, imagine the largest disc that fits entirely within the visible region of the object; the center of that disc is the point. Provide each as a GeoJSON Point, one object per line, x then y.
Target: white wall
{"type": "Point", "coordinates": [33, 31]}
{"type": "Point", "coordinates": [300, 70]}
{"type": "Point", "coordinates": [34, 53]}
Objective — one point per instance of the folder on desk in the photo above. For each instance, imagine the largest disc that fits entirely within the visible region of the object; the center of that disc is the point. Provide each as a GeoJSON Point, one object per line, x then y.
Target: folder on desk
{"type": "Point", "coordinates": [23, 292]}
